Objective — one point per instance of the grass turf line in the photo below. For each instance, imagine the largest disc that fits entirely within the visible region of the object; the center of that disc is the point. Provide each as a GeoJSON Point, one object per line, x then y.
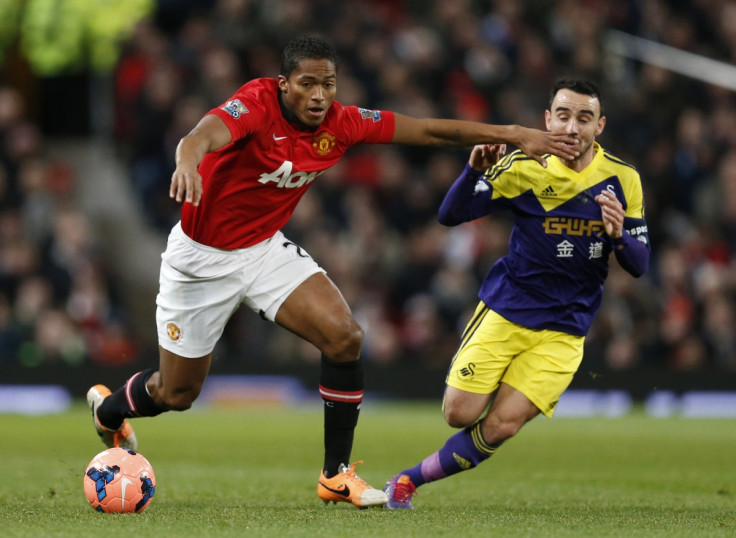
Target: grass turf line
{"type": "Point", "coordinates": [253, 472]}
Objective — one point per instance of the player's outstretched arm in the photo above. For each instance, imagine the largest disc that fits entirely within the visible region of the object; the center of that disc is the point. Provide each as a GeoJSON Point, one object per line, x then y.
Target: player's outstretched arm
{"type": "Point", "coordinates": [441, 132]}
{"type": "Point", "coordinates": [209, 135]}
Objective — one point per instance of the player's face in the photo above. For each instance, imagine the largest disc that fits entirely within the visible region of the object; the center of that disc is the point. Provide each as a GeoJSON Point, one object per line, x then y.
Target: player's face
{"type": "Point", "coordinates": [579, 115]}
{"type": "Point", "coordinates": [309, 91]}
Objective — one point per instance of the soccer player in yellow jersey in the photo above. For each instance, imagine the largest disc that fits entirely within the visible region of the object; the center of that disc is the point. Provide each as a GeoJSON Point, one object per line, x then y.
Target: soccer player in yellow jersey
{"type": "Point", "coordinates": [522, 347]}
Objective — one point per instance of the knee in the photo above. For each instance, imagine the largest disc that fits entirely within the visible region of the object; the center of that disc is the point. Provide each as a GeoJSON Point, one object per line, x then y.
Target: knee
{"type": "Point", "coordinates": [345, 342]}
{"type": "Point", "coordinates": [496, 429]}
{"type": "Point", "coordinates": [177, 399]}
{"type": "Point", "coordinates": [458, 416]}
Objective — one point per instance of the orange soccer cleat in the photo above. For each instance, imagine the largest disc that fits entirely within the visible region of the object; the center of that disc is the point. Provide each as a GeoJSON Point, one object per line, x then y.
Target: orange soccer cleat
{"type": "Point", "coordinates": [346, 486]}
{"type": "Point", "coordinates": [124, 436]}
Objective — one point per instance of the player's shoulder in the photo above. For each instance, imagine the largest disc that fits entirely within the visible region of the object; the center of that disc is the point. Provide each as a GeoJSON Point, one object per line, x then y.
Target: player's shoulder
{"type": "Point", "coordinates": [352, 118]}
{"type": "Point", "coordinates": [342, 111]}
{"type": "Point", "coordinates": [256, 99]}
{"type": "Point", "coordinates": [516, 160]}
{"type": "Point", "coordinates": [258, 93]}
{"type": "Point", "coordinates": [622, 167]}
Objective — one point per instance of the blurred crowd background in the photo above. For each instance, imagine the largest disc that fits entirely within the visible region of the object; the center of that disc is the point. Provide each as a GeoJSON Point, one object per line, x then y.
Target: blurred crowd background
{"type": "Point", "coordinates": [371, 220]}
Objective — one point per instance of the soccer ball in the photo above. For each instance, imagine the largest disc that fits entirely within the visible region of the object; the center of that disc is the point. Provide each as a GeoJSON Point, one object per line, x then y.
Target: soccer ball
{"type": "Point", "coordinates": [119, 480]}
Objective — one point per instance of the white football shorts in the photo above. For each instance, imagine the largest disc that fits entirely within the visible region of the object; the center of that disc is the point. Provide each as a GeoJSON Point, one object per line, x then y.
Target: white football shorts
{"type": "Point", "coordinates": [200, 287]}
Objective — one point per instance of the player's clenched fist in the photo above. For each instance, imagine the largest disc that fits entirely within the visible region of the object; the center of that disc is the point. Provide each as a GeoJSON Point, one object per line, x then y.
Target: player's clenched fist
{"type": "Point", "coordinates": [612, 213]}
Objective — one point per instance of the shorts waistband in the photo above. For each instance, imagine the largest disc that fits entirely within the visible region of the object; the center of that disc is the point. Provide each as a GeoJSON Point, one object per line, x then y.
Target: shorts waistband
{"type": "Point", "coordinates": [178, 231]}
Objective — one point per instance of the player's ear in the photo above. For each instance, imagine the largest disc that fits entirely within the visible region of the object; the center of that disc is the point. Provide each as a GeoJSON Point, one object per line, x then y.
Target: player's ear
{"type": "Point", "coordinates": [547, 119]}
{"type": "Point", "coordinates": [283, 83]}
{"type": "Point", "coordinates": [601, 125]}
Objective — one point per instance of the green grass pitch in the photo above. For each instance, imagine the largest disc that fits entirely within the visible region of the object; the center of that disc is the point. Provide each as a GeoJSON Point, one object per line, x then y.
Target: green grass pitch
{"type": "Point", "coordinates": [253, 472]}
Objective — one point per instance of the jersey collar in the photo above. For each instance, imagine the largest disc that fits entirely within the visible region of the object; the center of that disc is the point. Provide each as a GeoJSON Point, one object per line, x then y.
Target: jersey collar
{"type": "Point", "coordinates": [585, 172]}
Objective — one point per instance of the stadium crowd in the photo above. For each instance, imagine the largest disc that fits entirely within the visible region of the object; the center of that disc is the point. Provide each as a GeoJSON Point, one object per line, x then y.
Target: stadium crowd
{"type": "Point", "coordinates": [371, 220]}
{"type": "Point", "coordinates": [58, 302]}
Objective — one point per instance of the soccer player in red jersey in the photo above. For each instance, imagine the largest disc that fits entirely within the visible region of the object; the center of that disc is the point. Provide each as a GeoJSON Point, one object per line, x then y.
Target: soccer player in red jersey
{"type": "Point", "coordinates": [240, 173]}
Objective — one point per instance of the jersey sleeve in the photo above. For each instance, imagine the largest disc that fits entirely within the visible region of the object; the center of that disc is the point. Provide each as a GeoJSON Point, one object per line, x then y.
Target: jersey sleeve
{"type": "Point", "coordinates": [475, 194]}
{"type": "Point", "coordinates": [634, 195]}
{"type": "Point", "coordinates": [467, 199]}
{"type": "Point", "coordinates": [506, 178]}
{"type": "Point", "coordinates": [364, 126]}
{"type": "Point", "coordinates": [242, 113]}
{"type": "Point", "coordinates": [633, 249]}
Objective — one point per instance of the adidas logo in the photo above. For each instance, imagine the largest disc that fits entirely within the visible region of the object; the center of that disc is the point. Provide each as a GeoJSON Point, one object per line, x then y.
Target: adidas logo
{"type": "Point", "coordinates": [549, 192]}
{"type": "Point", "coordinates": [462, 462]}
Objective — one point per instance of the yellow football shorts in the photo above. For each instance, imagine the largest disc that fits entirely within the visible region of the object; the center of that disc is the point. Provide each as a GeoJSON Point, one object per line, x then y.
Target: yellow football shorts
{"type": "Point", "coordinates": [537, 362]}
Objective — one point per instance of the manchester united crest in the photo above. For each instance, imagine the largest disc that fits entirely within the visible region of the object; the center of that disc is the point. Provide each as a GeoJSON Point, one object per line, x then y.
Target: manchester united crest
{"type": "Point", "coordinates": [323, 143]}
{"type": "Point", "coordinates": [173, 331]}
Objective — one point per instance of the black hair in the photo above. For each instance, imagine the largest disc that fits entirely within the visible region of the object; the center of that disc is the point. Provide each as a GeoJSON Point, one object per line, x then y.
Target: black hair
{"type": "Point", "coordinates": [306, 47]}
{"type": "Point", "coordinates": [581, 86]}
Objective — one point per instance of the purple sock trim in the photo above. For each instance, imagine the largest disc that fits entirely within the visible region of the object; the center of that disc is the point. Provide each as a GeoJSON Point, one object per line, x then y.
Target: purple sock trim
{"type": "Point", "coordinates": [432, 469]}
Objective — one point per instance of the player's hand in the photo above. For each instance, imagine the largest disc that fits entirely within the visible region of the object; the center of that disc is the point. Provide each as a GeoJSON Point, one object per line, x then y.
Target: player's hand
{"type": "Point", "coordinates": [186, 185]}
{"type": "Point", "coordinates": [484, 156]}
{"type": "Point", "coordinates": [535, 143]}
{"type": "Point", "coordinates": [612, 212]}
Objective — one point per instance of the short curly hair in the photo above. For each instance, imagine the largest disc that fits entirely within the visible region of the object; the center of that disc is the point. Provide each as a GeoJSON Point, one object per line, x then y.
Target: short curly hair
{"type": "Point", "coordinates": [306, 47]}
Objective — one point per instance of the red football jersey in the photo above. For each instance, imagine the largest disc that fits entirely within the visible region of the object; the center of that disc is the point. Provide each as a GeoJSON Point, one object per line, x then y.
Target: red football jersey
{"type": "Point", "coordinates": [252, 186]}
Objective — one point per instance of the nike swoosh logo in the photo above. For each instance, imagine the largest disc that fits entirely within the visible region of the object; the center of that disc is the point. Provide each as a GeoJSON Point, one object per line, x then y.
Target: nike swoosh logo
{"type": "Point", "coordinates": [278, 137]}
{"type": "Point", "coordinates": [345, 492]}
{"type": "Point", "coordinates": [126, 482]}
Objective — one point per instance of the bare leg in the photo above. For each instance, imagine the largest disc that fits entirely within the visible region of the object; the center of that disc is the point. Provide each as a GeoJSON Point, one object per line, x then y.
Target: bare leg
{"type": "Point", "coordinates": [174, 386]}
{"type": "Point", "coordinates": [462, 408]}
{"type": "Point", "coordinates": [509, 412]}
{"type": "Point", "coordinates": [475, 443]}
{"type": "Point", "coordinates": [317, 312]}
{"type": "Point", "coordinates": [178, 381]}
